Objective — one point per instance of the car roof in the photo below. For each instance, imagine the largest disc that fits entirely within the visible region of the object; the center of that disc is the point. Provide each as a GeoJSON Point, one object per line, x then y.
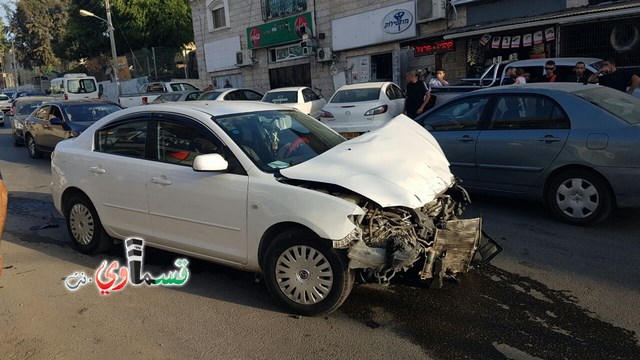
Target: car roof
{"type": "Point", "coordinates": [559, 61]}
{"type": "Point", "coordinates": [567, 87]}
{"type": "Point", "coordinates": [290, 88]}
{"type": "Point", "coordinates": [79, 101]}
{"type": "Point", "coordinates": [211, 107]}
{"type": "Point", "coordinates": [367, 85]}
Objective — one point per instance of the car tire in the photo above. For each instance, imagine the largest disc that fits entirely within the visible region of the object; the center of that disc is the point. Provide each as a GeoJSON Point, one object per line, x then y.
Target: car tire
{"type": "Point", "coordinates": [32, 148]}
{"type": "Point", "coordinates": [320, 282]}
{"type": "Point", "coordinates": [580, 197]}
{"type": "Point", "coordinates": [16, 142]}
{"type": "Point", "coordinates": [84, 226]}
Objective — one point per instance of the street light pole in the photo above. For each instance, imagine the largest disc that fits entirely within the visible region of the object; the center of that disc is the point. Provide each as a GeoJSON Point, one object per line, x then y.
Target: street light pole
{"type": "Point", "coordinates": [15, 65]}
{"type": "Point", "coordinates": [114, 54]}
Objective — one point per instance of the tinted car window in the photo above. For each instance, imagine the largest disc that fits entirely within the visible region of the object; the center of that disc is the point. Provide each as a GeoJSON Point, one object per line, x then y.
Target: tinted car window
{"type": "Point", "coordinates": [3, 97]}
{"type": "Point", "coordinates": [305, 95]}
{"type": "Point", "coordinates": [390, 93]}
{"type": "Point", "coordinates": [463, 114]}
{"type": "Point", "coordinates": [127, 139]}
{"type": "Point", "coordinates": [620, 104]}
{"type": "Point", "coordinates": [26, 108]}
{"type": "Point", "coordinates": [398, 91]}
{"type": "Point", "coordinates": [235, 95]}
{"type": "Point", "coordinates": [79, 86]}
{"type": "Point", "coordinates": [89, 111]}
{"type": "Point", "coordinates": [189, 87]}
{"type": "Point", "coordinates": [252, 95]}
{"type": "Point", "coordinates": [211, 95]}
{"type": "Point", "coordinates": [356, 95]}
{"type": "Point", "coordinates": [312, 95]}
{"type": "Point", "coordinates": [526, 112]}
{"type": "Point", "coordinates": [175, 87]}
{"type": "Point", "coordinates": [55, 113]}
{"type": "Point", "coordinates": [193, 96]}
{"type": "Point", "coordinates": [166, 98]}
{"type": "Point", "coordinates": [179, 144]}
{"type": "Point", "coordinates": [281, 97]}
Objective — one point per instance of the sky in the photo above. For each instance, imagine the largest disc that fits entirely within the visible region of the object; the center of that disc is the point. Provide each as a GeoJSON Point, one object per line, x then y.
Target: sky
{"type": "Point", "coordinates": [3, 14]}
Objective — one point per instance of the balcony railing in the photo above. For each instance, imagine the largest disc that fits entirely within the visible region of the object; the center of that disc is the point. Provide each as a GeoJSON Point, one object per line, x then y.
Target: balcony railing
{"type": "Point", "coordinates": [272, 9]}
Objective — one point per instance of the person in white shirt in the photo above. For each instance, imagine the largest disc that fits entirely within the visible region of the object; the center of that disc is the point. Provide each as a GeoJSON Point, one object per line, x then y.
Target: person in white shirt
{"type": "Point", "coordinates": [520, 80]}
{"type": "Point", "coordinates": [439, 80]}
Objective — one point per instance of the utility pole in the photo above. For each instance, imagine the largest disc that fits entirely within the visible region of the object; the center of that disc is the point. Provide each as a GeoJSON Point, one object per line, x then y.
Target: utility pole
{"type": "Point", "coordinates": [114, 54]}
{"type": "Point", "coordinates": [15, 65]}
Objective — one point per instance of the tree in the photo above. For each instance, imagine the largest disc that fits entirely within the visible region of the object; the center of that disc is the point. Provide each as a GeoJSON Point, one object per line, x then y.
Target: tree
{"type": "Point", "coordinates": [138, 24]}
{"type": "Point", "coordinates": [39, 27]}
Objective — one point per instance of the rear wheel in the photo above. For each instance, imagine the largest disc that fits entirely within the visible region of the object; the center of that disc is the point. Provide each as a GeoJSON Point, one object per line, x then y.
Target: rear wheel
{"type": "Point", "coordinates": [579, 197]}
{"type": "Point", "coordinates": [305, 274]}
{"type": "Point", "coordinates": [32, 148]}
{"type": "Point", "coordinates": [84, 226]}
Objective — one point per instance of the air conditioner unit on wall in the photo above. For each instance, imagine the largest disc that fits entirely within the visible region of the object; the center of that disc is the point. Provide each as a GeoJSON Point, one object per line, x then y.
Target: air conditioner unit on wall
{"type": "Point", "coordinates": [324, 54]}
{"type": "Point", "coordinates": [429, 10]}
{"type": "Point", "coordinates": [244, 58]}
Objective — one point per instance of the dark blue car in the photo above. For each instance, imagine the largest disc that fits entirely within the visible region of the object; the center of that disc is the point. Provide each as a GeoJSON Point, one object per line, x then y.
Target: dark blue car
{"type": "Point", "coordinates": [55, 121]}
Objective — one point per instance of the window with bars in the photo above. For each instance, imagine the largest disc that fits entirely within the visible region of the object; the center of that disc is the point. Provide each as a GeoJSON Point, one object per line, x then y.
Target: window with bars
{"type": "Point", "coordinates": [281, 8]}
{"type": "Point", "coordinates": [218, 14]}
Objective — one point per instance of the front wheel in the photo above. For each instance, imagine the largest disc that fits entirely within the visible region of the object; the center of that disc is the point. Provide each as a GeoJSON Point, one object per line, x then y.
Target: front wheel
{"type": "Point", "coordinates": [32, 148]}
{"type": "Point", "coordinates": [579, 197]}
{"type": "Point", "coordinates": [305, 274]}
{"type": "Point", "coordinates": [84, 226]}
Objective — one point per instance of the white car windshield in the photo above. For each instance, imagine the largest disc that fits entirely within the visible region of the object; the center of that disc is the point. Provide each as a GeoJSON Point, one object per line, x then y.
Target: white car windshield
{"type": "Point", "coordinates": [278, 139]}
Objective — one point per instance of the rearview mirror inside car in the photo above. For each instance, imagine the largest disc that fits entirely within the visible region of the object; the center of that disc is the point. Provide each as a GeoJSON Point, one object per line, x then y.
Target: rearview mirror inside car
{"type": "Point", "coordinates": [210, 162]}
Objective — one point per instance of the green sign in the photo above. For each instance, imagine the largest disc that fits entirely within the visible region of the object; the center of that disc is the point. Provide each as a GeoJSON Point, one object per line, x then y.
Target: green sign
{"type": "Point", "coordinates": [277, 32]}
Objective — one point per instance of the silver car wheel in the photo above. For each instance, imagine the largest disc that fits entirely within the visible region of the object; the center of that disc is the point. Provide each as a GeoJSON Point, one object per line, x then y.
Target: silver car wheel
{"type": "Point", "coordinates": [577, 198]}
{"type": "Point", "coordinates": [81, 224]}
{"type": "Point", "coordinates": [31, 146]}
{"type": "Point", "coordinates": [304, 275]}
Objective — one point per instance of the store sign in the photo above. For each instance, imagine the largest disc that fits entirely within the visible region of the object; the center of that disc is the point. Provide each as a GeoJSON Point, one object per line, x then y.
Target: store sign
{"type": "Point", "coordinates": [397, 21]}
{"type": "Point", "coordinates": [387, 24]}
{"type": "Point", "coordinates": [278, 32]}
{"type": "Point", "coordinates": [435, 47]}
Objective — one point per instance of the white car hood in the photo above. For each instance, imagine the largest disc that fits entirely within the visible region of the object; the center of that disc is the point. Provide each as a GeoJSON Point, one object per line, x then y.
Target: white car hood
{"type": "Point", "coordinates": [399, 164]}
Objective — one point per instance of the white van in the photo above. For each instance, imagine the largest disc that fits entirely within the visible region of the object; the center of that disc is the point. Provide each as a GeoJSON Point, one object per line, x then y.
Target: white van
{"type": "Point", "coordinates": [75, 86]}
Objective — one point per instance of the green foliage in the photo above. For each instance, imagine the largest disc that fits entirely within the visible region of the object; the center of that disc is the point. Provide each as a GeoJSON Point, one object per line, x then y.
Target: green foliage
{"type": "Point", "coordinates": [39, 27]}
{"type": "Point", "coordinates": [138, 24]}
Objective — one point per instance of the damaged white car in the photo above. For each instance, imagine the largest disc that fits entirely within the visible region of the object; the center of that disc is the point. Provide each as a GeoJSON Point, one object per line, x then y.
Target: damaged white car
{"type": "Point", "coordinates": [263, 188]}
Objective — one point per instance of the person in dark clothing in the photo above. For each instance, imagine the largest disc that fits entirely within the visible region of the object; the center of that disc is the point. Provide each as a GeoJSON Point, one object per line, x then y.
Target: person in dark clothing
{"type": "Point", "coordinates": [624, 80]}
{"type": "Point", "coordinates": [509, 76]}
{"type": "Point", "coordinates": [580, 76]}
{"type": "Point", "coordinates": [417, 96]}
{"type": "Point", "coordinates": [227, 84]}
{"type": "Point", "coordinates": [549, 69]}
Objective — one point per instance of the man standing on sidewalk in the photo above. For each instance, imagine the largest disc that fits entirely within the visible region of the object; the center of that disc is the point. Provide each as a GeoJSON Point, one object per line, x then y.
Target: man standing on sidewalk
{"type": "Point", "coordinates": [3, 212]}
{"type": "Point", "coordinates": [417, 96]}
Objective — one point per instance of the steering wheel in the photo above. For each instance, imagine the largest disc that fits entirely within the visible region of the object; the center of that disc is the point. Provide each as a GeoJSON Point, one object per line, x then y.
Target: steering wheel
{"type": "Point", "coordinates": [294, 146]}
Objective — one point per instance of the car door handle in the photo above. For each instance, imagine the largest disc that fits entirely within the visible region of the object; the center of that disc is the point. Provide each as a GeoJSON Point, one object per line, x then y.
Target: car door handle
{"type": "Point", "coordinates": [549, 139]}
{"type": "Point", "coordinates": [160, 181]}
{"type": "Point", "coordinates": [465, 138]}
{"type": "Point", "coordinates": [97, 170]}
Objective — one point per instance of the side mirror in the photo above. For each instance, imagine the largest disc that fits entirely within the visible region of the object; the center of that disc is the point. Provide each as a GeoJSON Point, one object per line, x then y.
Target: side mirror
{"type": "Point", "coordinates": [56, 121]}
{"type": "Point", "coordinates": [210, 163]}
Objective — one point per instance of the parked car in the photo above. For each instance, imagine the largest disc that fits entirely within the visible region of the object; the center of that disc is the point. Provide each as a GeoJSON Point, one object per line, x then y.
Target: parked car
{"type": "Point", "coordinates": [358, 108]}
{"type": "Point", "coordinates": [5, 103]}
{"type": "Point", "coordinates": [74, 87]}
{"type": "Point", "coordinates": [2, 118]}
{"type": "Point", "coordinates": [301, 98]}
{"type": "Point", "coordinates": [266, 188]}
{"type": "Point", "coordinates": [151, 91]}
{"type": "Point", "coordinates": [24, 106]}
{"type": "Point", "coordinates": [572, 145]}
{"type": "Point", "coordinates": [55, 121]}
{"type": "Point", "coordinates": [190, 95]}
{"type": "Point", "coordinates": [20, 94]}
{"type": "Point", "coordinates": [231, 94]}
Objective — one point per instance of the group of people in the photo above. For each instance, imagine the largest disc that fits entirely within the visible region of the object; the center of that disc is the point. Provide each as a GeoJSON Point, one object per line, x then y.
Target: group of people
{"type": "Point", "coordinates": [419, 98]}
{"type": "Point", "coordinates": [227, 85]}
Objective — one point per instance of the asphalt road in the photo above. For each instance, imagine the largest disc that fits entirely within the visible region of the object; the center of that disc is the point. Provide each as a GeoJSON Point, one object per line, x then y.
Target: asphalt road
{"type": "Point", "coordinates": [556, 292]}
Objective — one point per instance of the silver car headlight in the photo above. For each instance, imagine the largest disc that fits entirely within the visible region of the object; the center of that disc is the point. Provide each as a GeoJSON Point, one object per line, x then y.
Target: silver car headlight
{"type": "Point", "coordinates": [18, 125]}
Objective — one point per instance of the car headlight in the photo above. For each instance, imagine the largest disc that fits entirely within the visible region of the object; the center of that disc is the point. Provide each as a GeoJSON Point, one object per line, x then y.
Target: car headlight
{"type": "Point", "coordinates": [18, 125]}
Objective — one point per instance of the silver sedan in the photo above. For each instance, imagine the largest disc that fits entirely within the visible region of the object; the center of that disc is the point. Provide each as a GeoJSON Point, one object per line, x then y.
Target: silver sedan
{"type": "Point", "coordinates": [573, 146]}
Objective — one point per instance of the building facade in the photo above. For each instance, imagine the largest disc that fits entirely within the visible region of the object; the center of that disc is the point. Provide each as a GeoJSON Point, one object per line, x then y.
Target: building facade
{"type": "Point", "coordinates": [323, 44]}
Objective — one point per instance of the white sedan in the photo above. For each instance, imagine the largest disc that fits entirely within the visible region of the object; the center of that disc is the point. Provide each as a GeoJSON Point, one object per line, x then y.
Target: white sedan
{"type": "Point", "coordinates": [301, 98]}
{"type": "Point", "coordinates": [358, 108]}
{"type": "Point", "coordinates": [268, 189]}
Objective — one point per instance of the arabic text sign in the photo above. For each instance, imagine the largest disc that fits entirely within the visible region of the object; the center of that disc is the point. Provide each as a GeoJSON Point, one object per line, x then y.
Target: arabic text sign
{"type": "Point", "coordinates": [280, 31]}
{"type": "Point", "coordinates": [113, 277]}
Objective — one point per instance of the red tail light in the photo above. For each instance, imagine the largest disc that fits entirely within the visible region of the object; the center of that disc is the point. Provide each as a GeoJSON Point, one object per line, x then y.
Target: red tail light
{"type": "Point", "coordinates": [378, 110]}
{"type": "Point", "coordinates": [145, 100]}
{"type": "Point", "coordinates": [326, 114]}
{"type": "Point", "coordinates": [66, 96]}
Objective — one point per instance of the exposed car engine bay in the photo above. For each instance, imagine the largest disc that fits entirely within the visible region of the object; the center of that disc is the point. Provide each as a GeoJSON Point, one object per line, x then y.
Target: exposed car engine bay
{"type": "Point", "coordinates": [430, 239]}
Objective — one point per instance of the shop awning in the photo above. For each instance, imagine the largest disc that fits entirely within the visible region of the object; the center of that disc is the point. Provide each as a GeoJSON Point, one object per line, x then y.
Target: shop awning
{"type": "Point", "coordinates": [582, 14]}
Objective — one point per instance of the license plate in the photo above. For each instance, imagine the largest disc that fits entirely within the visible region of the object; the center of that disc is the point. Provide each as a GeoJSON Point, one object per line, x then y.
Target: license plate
{"type": "Point", "coordinates": [350, 135]}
